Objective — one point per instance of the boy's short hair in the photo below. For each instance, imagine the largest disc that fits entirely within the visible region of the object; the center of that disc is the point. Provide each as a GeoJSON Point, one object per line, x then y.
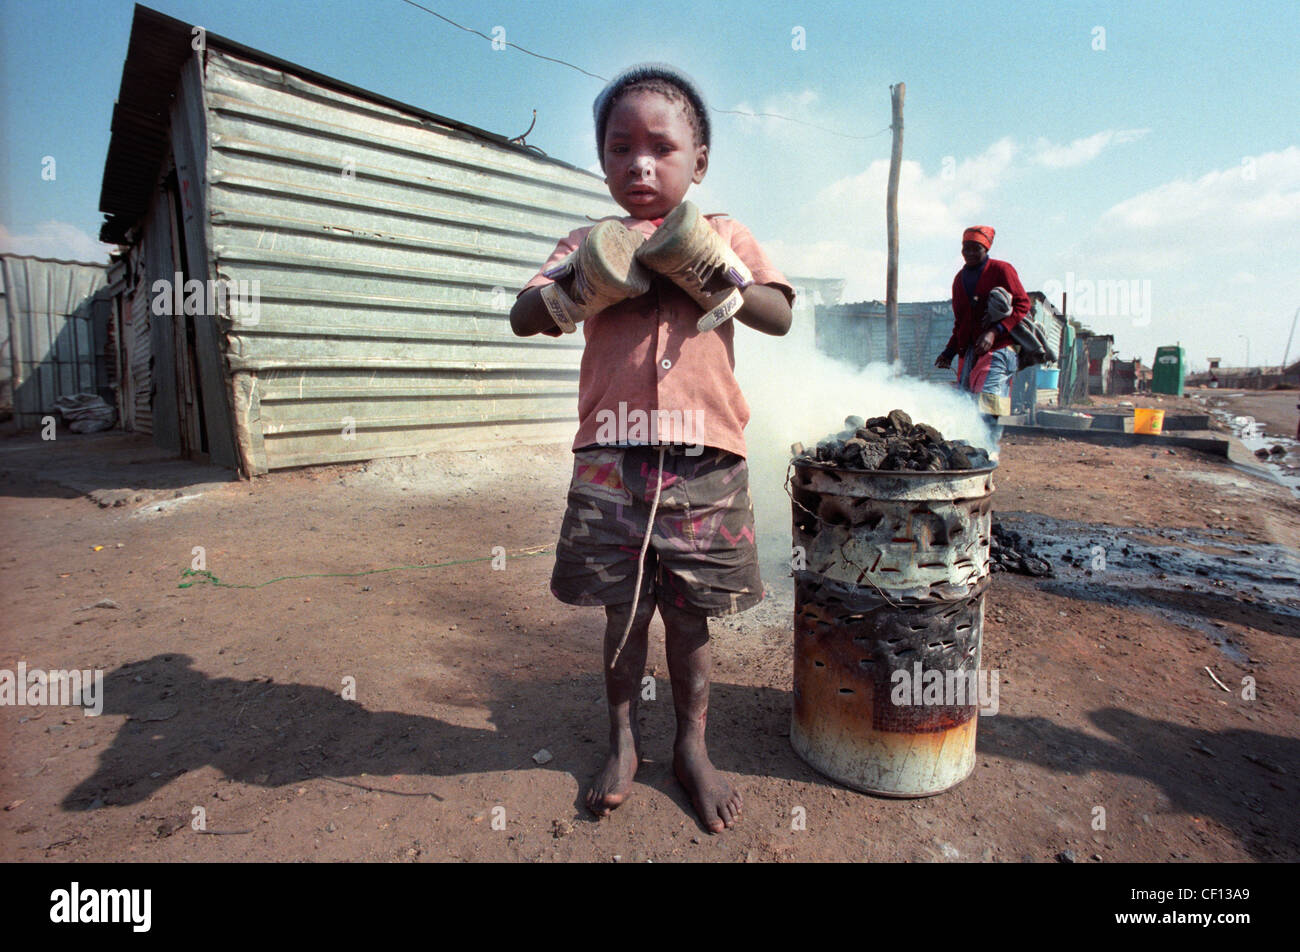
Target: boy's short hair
{"type": "Point", "coordinates": [661, 78]}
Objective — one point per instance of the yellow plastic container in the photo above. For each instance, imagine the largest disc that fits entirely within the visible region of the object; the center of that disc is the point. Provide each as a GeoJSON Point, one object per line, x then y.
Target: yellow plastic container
{"type": "Point", "coordinates": [1148, 421]}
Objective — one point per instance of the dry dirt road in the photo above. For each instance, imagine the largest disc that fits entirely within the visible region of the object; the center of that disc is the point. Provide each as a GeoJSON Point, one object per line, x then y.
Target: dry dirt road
{"type": "Point", "coordinates": [1111, 742]}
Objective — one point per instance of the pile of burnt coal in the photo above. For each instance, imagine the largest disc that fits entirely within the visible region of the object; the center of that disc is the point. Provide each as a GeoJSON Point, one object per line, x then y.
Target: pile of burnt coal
{"type": "Point", "coordinates": [894, 442]}
{"type": "Point", "coordinates": [1009, 551]}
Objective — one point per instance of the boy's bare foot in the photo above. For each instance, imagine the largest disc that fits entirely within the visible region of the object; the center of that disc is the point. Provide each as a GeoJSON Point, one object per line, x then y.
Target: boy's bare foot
{"type": "Point", "coordinates": [716, 799]}
{"type": "Point", "coordinates": [613, 784]}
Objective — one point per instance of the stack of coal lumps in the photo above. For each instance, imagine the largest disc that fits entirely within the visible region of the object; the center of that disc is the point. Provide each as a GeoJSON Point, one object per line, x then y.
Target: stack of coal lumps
{"type": "Point", "coordinates": [894, 442]}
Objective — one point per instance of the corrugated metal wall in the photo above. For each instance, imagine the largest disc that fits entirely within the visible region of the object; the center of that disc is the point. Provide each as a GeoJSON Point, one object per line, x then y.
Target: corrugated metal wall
{"type": "Point", "coordinates": [856, 333]}
{"type": "Point", "coordinates": [387, 251]}
{"type": "Point", "coordinates": [140, 354]}
{"type": "Point", "coordinates": [51, 344]}
{"type": "Point", "coordinates": [6, 352]}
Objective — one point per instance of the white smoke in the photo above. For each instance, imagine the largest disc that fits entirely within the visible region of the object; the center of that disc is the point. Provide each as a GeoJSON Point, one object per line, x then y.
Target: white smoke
{"type": "Point", "coordinates": [797, 394]}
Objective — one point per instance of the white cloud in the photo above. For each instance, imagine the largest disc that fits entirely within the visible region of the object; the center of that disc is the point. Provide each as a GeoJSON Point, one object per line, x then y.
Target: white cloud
{"type": "Point", "coordinates": [56, 239]}
{"type": "Point", "coordinates": [1235, 204]}
{"type": "Point", "coordinates": [1218, 251]}
{"type": "Point", "coordinates": [1082, 150]}
{"type": "Point", "coordinates": [840, 232]}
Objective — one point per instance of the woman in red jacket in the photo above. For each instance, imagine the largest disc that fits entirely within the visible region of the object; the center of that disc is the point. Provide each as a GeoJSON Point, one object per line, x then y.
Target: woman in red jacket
{"type": "Point", "coordinates": [988, 361]}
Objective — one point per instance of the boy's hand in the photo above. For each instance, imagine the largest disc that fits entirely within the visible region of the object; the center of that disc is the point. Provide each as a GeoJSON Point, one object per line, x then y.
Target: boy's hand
{"type": "Point", "coordinates": [688, 252]}
{"type": "Point", "coordinates": [601, 272]}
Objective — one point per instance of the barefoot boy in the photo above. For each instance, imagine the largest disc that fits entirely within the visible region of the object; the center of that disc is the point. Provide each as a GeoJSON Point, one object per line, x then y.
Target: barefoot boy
{"type": "Point", "coordinates": [658, 510]}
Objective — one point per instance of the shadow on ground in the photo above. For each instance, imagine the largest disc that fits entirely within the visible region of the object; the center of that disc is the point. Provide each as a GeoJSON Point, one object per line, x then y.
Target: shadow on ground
{"type": "Point", "coordinates": [272, 734]}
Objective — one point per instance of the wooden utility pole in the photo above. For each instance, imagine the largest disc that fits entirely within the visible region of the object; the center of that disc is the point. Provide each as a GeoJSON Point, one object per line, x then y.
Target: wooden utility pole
{"type": "Point", "coordinates": [891, 219]}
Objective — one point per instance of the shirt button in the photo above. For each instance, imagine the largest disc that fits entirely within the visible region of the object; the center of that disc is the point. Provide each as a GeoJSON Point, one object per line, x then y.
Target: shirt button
{"type": "Point", "coordinates": [665, 363]}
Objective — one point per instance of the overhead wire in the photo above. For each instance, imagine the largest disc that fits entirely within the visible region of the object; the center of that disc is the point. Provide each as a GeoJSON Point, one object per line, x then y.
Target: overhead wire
{"type": "Point", "coordinates": [605, 79]}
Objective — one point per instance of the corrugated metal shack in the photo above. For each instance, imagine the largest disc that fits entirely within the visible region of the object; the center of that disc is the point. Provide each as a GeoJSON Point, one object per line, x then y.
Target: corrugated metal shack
{"type": "Point", "coordinates": [1044, 313]}
{"type": "Point", "coordinates": [1101, 351]}
{"type": "Point", "coordinates": [54, 334]}
{"type": "Point", "coordinates": [1129, 376]}
{"type": "Point", "coordinates": [371, 252]}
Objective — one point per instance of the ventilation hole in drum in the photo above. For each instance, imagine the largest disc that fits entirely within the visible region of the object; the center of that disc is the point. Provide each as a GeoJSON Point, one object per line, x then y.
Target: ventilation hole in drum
{"type": "Point", "coordinates": [891, 570]}
{"type": "Point", "coordinates": [868, 520]}
{"type": "Point", "coordinates": [865, 663]}
{"type": "Point", "coordinates": [948, 643]}
{"type": "Point", "coordinates": [963, 628]}
{"type": "Point", "coordinates": [847, 691]}
{"type": "Point", "coordinates": [904, 652]}
{"type": "Point", "coordinates": [931, 565]}
{"type": "Point", "coordinates": [892, 641]}
{"type": "Point", "coordinates": [903, 539]}
{"type": "Point", "coordinates": [819, 664]}
{"type": "Point", "coordinates": [832, 515]}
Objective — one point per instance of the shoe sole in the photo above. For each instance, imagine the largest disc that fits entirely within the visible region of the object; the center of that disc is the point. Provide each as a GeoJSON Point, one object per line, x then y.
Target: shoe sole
{"type": "Point", "coordinates": [676, 239]}
{"type": "Point", "coordinates": [612, 262]}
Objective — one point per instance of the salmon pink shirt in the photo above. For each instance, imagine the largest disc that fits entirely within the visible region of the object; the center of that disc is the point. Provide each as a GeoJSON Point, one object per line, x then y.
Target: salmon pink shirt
{"type": "Point", "coordinates": [646, 354]}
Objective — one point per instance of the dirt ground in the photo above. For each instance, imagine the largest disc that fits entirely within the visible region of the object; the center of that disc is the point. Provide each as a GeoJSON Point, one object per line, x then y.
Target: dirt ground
{"type": "Point", "coordinates": [230, 699]}
{"type": "Point", "coordinates": [1277, 410]}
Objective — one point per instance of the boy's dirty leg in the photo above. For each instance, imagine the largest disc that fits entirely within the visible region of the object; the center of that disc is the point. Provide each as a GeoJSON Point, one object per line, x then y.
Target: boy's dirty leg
{"type": "Point", "coordinates": [622, 690]}
{"type": "Point", "coordinates": [686, 639]}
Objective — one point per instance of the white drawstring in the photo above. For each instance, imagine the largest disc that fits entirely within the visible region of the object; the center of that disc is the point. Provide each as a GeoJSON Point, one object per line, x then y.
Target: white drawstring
{"type": "Point", "coordinates": [640, 565]}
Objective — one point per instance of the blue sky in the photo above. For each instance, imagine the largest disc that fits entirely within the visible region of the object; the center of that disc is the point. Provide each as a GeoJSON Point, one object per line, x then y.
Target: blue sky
{"type": "Point", "coordinates": [1152, 147]}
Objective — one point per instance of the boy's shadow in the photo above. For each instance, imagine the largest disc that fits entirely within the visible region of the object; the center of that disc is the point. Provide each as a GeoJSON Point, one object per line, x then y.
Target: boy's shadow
{"type": "Point", "coordinates": [268, 733]}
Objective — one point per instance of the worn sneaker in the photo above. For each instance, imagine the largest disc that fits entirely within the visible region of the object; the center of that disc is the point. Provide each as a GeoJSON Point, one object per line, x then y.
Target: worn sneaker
{"type": "Point", "coordinates": [687, 251]}
{"type": "Point", "coordinates": [601, 272]}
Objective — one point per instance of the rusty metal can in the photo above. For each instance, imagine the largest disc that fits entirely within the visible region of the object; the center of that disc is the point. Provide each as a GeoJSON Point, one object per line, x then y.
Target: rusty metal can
{"type": "Point", "coordinates": [890, 575]}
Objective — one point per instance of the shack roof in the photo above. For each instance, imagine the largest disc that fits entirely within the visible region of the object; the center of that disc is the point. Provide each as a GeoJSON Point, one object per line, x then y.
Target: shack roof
{"type": "Point", "coordinates": [159, 45]}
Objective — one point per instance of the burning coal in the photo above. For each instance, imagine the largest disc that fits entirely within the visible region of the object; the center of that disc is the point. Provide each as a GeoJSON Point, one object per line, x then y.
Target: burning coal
{"type": "Point", "coordinates": [894, 442]}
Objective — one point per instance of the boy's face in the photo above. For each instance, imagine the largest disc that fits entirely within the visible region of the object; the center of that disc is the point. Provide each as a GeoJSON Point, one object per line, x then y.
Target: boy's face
{"type": "Point", "coordinates": [650, 154]}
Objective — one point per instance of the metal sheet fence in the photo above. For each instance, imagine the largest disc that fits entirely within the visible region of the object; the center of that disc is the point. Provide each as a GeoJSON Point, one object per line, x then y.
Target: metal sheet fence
{"type": "Point", "coordinates": [385, 252]}
{"type": "Point", "coordinates": [51, 341]}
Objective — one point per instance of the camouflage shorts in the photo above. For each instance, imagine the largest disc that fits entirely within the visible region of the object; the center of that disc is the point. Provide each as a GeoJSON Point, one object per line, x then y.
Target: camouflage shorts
{"type": "Point", "coordinates": [702, 556]}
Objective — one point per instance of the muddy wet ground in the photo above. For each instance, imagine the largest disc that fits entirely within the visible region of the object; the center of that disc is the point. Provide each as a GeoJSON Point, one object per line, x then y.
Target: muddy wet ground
{"type": "Point", "coordinates": [1199, 579]}
{"type": "Point", "coordinates": [232, 699]}
{"type": "Point", "coordinates": [1264, 423]}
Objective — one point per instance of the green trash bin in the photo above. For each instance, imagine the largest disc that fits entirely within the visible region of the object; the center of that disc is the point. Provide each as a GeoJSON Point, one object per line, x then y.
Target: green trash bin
{"type": "Point", "coordinates": [1168, 371]}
